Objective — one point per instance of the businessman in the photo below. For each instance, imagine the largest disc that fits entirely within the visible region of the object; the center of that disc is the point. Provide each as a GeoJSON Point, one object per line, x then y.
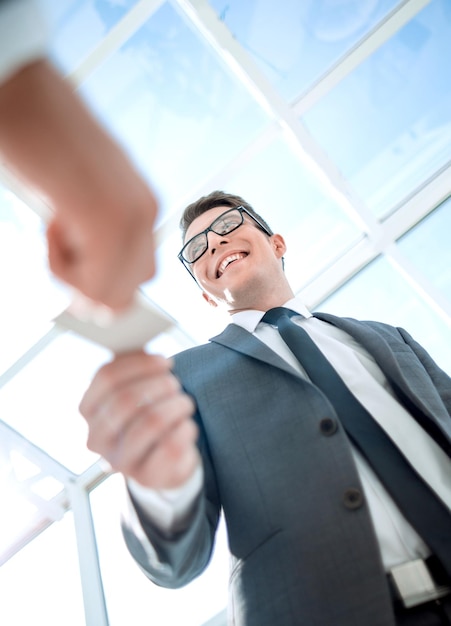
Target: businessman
{"type": "Point", "coordinates": [100, 238]}
{"type": "Point", "coordinates": [326, 525]}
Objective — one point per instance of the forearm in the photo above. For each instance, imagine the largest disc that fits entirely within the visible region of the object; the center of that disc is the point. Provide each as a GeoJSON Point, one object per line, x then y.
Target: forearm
{"type": "Point", "coordinates": [41, 115]}
{"type": "Point", "coordinates": [101, 236]}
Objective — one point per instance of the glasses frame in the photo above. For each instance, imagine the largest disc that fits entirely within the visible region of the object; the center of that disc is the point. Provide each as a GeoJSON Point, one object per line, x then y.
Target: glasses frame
{"type": "Point", "coordinates": [241, 209]}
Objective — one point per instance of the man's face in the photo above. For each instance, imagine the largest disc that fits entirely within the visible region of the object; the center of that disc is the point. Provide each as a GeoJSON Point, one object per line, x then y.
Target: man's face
{"type": "Point", "coordinates": [236, 264]}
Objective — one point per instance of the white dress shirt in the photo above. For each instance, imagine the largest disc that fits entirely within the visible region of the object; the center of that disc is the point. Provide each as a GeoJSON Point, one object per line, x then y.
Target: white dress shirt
{"type": "Point", "coordinates": [397, 539]}
{"type": "Point", "coordinates": [23, 35]}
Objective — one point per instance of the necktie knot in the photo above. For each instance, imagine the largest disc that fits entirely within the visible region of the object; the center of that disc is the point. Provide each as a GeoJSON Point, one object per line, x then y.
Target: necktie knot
{"type": "Point", "coordinates": [273, 315]}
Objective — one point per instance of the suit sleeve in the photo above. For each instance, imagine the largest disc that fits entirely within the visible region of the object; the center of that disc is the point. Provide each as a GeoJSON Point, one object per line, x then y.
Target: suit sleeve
{"type": "Point", "coordinates": [439, 377]}
{"type": "Point", "coordinates": [175, 560]}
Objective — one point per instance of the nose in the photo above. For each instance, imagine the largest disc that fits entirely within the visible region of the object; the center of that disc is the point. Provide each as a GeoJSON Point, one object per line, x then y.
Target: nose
{"type": "Point", "coordinates": [216, 241]}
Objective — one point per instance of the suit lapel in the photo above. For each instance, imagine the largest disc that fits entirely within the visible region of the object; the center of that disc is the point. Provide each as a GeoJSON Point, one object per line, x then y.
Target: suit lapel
{"type": "Point", "coordinates": [237, 338]}
{"type": "Point", "coordinates": [240, 340]}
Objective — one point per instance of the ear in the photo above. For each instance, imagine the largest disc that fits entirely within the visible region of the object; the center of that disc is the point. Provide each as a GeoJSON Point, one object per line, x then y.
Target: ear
{"type": "Point", "coordinates": [279, 245]}
{"type": "Point", "coordinates": [209, 299]}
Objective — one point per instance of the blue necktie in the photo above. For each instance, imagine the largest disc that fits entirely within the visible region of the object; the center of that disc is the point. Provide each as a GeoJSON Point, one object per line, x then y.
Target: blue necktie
{"type": "Point", "coordinates": [424, 510]}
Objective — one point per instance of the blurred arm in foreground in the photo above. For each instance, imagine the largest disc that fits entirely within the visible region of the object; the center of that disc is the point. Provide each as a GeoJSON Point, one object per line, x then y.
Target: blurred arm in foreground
{"type": "Point", "coordinates": [100, 239]}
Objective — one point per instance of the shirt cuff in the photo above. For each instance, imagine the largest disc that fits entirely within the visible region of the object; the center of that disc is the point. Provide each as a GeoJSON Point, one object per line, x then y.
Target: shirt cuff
{"type": "Point", "coordinates": [168, 508]}
{"type": "Point", "coordinates": [24, 36]}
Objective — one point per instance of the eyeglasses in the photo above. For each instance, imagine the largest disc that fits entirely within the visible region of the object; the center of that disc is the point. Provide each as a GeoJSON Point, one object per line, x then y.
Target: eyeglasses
{"type": "Point", "coordinates": [225, 224]}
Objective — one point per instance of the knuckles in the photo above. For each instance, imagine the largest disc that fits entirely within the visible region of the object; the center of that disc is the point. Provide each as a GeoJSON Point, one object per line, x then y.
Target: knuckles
{"type": "Point", "coordinates": [141, 425]}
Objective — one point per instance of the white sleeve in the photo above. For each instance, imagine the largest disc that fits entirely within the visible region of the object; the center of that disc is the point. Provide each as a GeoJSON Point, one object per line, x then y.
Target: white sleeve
{"type": "Point", "coordinates": [23, 35]}
{"type": "Point", "coordinates": [168, 508]}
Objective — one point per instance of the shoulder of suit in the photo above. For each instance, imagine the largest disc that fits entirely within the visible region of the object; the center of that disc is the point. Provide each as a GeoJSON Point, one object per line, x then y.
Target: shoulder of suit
{"type": "Point", "coordinates": [380, 327]}
{"type": "Point", "coordinates": [195, 352]}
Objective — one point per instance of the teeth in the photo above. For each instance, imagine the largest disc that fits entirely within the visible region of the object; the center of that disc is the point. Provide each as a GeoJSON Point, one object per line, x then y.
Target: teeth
{"type": "Point", "coordinates": [228, 260]}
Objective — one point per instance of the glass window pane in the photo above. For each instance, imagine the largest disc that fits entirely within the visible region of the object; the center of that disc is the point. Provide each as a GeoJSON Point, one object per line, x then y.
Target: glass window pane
{"type": "Point", "coordinates": [427, 247]}
{"type": "Point", "coordinates": [281, 36]}
{"type": "Point", "coordinates": [41, 583]}
{"type": "Point", "coordinates": [140, 602]}
{"type": "Point", "coordinates": [29, 494]}
{"type": "Point", "coordinates": [315, 228]}
{"type": "Point", "coordinates": [30, 296]}
{"type": "Point", "coordinates": [388, 124]}
{"type": "Point", "coordinates": [380, 293]}
{"type": "Point", "coordinates": [173, 105]}
{"type": "Point", "coordinates": [68, 18]}
{"type": "Point", "coordinates": [47, 414]}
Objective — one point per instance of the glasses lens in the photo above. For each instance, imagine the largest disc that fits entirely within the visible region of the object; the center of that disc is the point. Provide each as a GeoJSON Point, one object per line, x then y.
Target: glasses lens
{"type": "Point", "coordinates": [195, 248]}
{"type": "Point", "coordinates": [227, 222]}
{"type": "Point", "coordinates": [223, 225]}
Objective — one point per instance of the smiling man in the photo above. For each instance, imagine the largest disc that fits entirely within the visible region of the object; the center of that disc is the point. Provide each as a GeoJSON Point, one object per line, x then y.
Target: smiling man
{"type": "Point", "coordinates": [235, 273]}
{"type": "Point", "coordinates": [327, 525]}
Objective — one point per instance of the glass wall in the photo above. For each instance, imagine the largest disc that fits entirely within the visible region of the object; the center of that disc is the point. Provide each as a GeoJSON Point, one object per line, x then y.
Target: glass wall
{"type": "Point", "coordinates": [333, 120]}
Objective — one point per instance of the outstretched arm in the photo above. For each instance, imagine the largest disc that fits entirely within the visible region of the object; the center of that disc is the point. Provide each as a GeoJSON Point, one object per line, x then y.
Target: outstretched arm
{"type": "Point", "coordinates": [100, 239]}
{"type": "Point", "coordinates": [141, 421]}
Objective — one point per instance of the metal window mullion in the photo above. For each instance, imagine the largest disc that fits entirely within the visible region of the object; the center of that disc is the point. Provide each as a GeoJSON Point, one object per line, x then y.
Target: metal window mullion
{"type": "Point", "coordinates": [239, 62]}
{"type": "Point", "coordinates": [363, 49]}
{"type": "Point", "coordinates": [43, 460]}
{"type": "Point", "coordinates": [39, 526]}
{"type": "Point", "coordinates": [91, 579]}
{"type": "Point", "coordinates": [30, 354]}
{"type": "Point", "coordinates": [435, 191]}
{"type": "Point", "coordinates": [338, 272]}
{"type": "Point", "coordinates": [94, 475]}
{"type": "Point", "coordinates": [420, 203]}
{"type": "Point", "coordinates": [116, 37]}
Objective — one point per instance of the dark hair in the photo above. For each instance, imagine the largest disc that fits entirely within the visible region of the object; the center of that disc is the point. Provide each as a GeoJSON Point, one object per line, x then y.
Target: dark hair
{"type": "Point", "coordinates": [212, 200]}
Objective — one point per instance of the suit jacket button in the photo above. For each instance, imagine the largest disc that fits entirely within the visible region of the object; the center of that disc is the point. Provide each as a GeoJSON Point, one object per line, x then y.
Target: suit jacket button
{"type": "Point", "coordinates": [328, 426]}
{"type": "Point", "coordinates": [353, 498]}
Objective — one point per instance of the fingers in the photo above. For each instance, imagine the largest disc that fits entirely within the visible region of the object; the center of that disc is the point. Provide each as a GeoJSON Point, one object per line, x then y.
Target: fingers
{"type": "Point", "coordinates": [140, 420]}
{"type": "Point", "coordinates": [155, 399]}
{"type": "Point", "coordinates": [124, 369]}
{"type": "Point", "coordinates": [105, 253]}
{"type": "Point", "coordinates": [158, 447]}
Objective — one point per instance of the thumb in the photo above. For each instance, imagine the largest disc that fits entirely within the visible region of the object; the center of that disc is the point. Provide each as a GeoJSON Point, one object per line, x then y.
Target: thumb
{"type": "Point", "coordinates": [61, 252]}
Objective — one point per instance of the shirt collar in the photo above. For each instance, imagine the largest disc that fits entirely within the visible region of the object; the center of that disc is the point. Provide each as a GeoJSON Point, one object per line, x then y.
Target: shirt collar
{"type": "Point", "coordinates": [250, 319]}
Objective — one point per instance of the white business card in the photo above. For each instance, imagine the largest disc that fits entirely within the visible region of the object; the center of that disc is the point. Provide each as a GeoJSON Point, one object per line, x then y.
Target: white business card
{"type": "Point", "coordinates": [128, 330]}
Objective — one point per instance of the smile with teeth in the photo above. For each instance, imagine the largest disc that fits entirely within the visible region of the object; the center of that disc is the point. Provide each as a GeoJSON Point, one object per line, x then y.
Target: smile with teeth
{"type": "Point", "coordinates": [230, 259]}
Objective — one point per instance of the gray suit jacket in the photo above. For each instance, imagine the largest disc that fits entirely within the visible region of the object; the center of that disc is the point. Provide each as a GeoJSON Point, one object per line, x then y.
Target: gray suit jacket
{"type": "Point", "coordinates": [301, 554]}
